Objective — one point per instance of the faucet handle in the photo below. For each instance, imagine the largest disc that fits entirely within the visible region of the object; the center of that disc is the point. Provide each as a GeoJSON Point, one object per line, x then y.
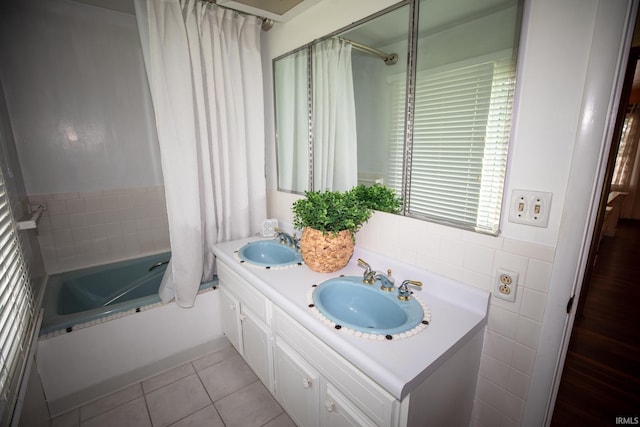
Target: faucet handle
{"type": "Point", "coordinates": [404, 294]}
{"type": "Point", "coordinates": [368, 274]}
{"type": "Point", "coordinates": [362, 263]}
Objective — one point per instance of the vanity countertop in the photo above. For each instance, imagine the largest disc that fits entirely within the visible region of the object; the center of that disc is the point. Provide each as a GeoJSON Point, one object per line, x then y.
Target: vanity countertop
{"type": "Point", "coordinates": [458, 312]}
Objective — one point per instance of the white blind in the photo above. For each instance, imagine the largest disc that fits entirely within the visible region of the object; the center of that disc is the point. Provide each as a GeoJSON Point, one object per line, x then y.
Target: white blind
{"type": "Point", "coordinates": [17, 311]}
{"type": "Point", "coordinates": [462, 120]}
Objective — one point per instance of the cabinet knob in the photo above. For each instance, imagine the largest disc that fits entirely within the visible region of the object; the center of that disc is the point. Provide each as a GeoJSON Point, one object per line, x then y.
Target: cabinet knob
{"type": "Point", "coordinates": [243, 316]}
{"type": "Point", "coordinates": [232, 306]}
{"type": "Point", "coordinates": [329, 405]}
{"type": "Point", "coordinates": [306, 382]}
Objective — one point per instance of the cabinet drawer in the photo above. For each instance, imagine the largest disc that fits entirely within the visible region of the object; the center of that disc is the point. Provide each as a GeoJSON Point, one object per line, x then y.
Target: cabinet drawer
{"type": "Point", "coordinates": [246, 293]}
{"type": "Point", "coordinates": [364, 393]}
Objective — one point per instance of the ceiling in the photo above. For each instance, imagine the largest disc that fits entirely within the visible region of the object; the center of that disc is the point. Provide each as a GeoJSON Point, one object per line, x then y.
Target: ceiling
{"type": "Point", "coordinates": [277, 10]}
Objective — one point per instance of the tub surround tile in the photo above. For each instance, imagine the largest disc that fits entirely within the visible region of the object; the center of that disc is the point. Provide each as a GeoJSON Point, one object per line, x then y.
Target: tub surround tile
{"type": "Point", "coordinates": [83, 229]}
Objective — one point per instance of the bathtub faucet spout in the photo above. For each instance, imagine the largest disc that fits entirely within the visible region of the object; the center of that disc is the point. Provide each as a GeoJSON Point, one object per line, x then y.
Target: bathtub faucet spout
{"type": "Point", "coordinates": [158, 264]}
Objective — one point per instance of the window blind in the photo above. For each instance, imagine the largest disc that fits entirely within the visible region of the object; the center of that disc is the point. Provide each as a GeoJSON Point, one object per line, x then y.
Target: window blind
{"type": "Point", "coordinates": [462, 120]}
{"type": "Point", "coordinates": [17, 311]}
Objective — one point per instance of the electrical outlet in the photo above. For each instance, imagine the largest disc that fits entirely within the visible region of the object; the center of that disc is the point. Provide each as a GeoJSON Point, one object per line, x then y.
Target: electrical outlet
{"type": "Point", "coordinates": [530, 207]}
{"type": "Point", "coordinates": [505, 285]}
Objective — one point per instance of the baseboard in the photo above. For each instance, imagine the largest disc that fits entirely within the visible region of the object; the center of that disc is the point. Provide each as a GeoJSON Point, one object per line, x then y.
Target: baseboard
{"type": "Point", "coordinates": [120, 382]}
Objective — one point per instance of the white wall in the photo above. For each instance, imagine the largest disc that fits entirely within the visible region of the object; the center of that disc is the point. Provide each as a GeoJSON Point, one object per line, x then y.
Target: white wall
{"type": "Point", "coordinates": [78, 97]}
{"type": "Point", "coordinates": [81, 113]}
{"type": "Point", "coordinates": [560, 41]}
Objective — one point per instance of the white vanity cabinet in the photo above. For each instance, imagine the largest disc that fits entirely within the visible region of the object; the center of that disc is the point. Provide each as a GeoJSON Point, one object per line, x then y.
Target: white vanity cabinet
{"type": "Point", "coordinates": [315, 385]}
{"type": "Point", "coordinates": [324, 379]}
{"type": "Point", "coordinates": [245, 322]}
{"type": "Point", "coordinates": [297, 385]}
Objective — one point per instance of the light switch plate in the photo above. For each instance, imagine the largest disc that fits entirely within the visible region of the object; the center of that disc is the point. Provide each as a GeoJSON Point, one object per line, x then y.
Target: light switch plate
{"type": "Point", "coordinates": [530, 208]}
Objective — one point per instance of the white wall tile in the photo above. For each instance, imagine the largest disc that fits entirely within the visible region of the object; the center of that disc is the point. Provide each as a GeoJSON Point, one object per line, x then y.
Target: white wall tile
{"type": "Point", "coordinates": [538, 275]}
{"type": "Point", "coordinates": [498, 346]}
{"type": "Point", "coordinates": [503, 322]}
{"type": "Point", "coordinates": [523, 358]}
{"type": "Point", "coordinates": [533, 304]}
{"type": "Point", "coordinates": [479, 258]}
{"type": "Point", "coordinates": [528, 332]}
{"type": "Point", "coordinates": [452, 252]}
{"type": "Point", "coordinates": [518, 383]}
{"type": "Point", "coordinates": [494, 370]}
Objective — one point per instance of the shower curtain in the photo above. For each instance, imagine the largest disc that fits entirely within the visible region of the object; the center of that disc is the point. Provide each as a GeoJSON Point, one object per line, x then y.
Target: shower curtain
{"type": "Point", "coordinates": [292, 121]}
{"type": "Point", "coordinates": [335, 153]}
{"type": "Point", "coordinates": [205, 75]}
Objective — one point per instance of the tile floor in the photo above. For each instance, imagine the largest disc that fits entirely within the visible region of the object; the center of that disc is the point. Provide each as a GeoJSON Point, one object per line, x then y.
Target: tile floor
{"type": "Point", "coordinates": [217, 390]}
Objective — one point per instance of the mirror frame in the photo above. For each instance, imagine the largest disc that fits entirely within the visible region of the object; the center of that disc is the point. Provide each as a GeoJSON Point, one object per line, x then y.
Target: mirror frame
{"type": "Point", "coordinates": [411, 76]}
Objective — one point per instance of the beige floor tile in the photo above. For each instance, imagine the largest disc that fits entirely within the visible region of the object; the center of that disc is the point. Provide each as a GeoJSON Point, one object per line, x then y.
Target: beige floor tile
{"type": "Point", "coordinates": [226, 377]}
{"type": "Point", "coordinates": [282, 420]}
{"type": "Point", "coordinates": [167, 377]}
{"type": "Point", "coordinates": [109, 402]}
{"type": "Point", "coordinates": [68, 419]}
{"type": "Point", "coordinates": [213, 358]}
{"type": "Point", "coordinates": [177, 400]}
{"type": "Point", "coordinates": [252, 406]}
{"type": "Point", "coordinates": [207, 417]}
{"type": "Point", "coordinates": [132, 414]}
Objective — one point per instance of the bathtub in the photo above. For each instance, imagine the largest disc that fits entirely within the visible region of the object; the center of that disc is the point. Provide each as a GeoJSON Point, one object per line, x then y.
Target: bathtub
{"type": "Point", "coordinates": [83, 297]}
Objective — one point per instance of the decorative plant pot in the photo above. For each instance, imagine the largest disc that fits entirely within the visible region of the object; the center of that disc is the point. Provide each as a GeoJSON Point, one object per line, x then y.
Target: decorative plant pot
{"type": "Point", "coordinates": [326, 252]}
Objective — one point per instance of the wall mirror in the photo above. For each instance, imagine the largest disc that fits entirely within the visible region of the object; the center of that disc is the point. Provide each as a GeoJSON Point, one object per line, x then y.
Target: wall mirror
{"type": "Point", "coordinates": [417, 97]}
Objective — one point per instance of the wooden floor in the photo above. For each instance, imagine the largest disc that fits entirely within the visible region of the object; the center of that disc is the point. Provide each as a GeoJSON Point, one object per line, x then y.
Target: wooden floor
{"type": "Point", "coordinates": [601, 378]}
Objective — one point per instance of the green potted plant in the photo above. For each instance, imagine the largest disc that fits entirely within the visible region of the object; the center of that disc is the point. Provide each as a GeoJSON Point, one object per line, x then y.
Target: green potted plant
{"type": "Point", "coordinates": [329, 221]}
{"type": "Point", "coordinates": [379, 198]}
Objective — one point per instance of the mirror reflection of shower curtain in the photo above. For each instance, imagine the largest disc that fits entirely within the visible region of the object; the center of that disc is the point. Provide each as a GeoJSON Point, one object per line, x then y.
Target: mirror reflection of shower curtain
{"type": "Point", "coordinates": [292, 122]}
{"type": "Point", "coordinates": [335, 141]}
{"type": "Point", "coordinates": [205, 75]}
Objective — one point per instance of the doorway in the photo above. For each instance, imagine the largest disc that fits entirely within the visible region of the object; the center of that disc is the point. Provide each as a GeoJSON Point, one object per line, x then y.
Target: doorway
{"type": "Point", "coordinates": [600, 383]}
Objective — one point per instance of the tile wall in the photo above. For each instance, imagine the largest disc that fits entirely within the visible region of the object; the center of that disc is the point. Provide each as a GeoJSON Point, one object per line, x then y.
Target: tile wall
{"type": "Point", "coordinates": [83, 229]}
{"type": "Point", "coordinates": [513, 332]}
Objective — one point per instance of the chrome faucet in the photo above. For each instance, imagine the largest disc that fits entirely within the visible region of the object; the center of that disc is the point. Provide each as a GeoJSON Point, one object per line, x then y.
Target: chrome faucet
{"type": "Point", "coordinates": [386, 280]}
{"type": "Point", "coordinates": [287, 239]}
{"type": "Point", "coordinates": [404, 294]}
{"type": "Point", "coordinates": [370, 276]}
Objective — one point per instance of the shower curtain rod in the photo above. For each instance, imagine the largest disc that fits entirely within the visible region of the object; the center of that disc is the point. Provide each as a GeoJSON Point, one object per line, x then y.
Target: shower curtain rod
{"type": "Point", "coordinates": [388, 58]}
{"type": "Point", "coordinates": [266, 22]}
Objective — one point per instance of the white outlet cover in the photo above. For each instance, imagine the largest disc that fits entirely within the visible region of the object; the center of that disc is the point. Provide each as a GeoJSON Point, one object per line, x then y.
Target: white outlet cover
{"type": "Point", "coordinates": [530, 208]}
{"type": "Point", "coordinates": [514, 285]}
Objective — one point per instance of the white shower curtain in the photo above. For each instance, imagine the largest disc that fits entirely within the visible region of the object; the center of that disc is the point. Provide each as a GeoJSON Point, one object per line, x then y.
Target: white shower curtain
{"type": "Point", "coordinates": [292, 121]}
{"type": "Point", "coordinates": [205, 76]}
{"type": "Point", "coordinates": [335, 155]}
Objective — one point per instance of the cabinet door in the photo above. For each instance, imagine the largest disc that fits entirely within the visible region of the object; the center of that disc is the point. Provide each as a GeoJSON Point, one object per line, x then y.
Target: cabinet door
{"type": "Point", "coordinates": [256, 343]}
{"type": "Point", "coordinates": [297, 386]}
{"type": "Point", "coordinates": [338, 411]}
{"type": "Point", "coordinates": [230, 311]}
